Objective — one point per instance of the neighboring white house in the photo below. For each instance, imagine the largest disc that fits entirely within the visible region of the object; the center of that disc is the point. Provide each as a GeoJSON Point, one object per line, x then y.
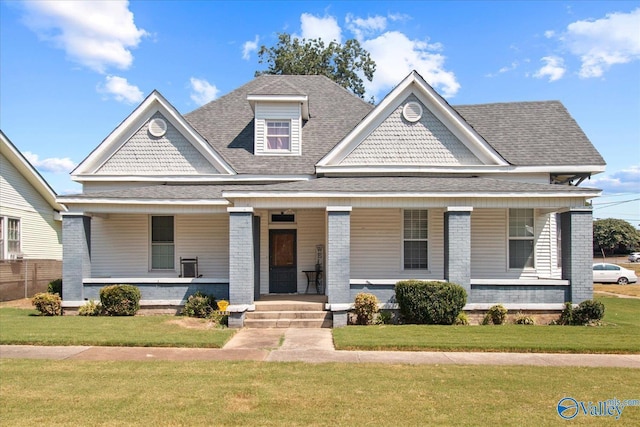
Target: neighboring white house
{"type": "Point", "coordinates": [291, 174]}
{"type": "Point", "coordinates": [30, 221]}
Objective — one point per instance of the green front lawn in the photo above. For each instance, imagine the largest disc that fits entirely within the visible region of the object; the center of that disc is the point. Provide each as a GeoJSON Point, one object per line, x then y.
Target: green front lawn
{"type": "Point", "coordinates": [20, 326]}
{"type": "Point", "coordinates": [620, 334]}
{"type": "Point", "coordinates": [63, 393]}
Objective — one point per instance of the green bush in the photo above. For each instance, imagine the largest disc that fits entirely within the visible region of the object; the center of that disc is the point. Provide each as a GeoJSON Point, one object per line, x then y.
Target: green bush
{"type": "Point", "coordinates": [566, 317]}
{"type": "Point", "coordinates": [523, 319]}
{"type": "Point", "coordinates": [55, 287]}
{"type": "Point", "coordinates": [91, 308]}
{"type": "Point", "coordinates": [120, 300]}
{"type": "Point", "coordinates": [495, 316]}
{"type": "Point", "coordinates": [47, 304]}
{"type": "Point", "coordinates": [199, 305]}
{"type": "Point", "coordinates": [430, 302]}
{"type": "Point", "coordinates": [365, 307]}
{"type": "Point", "coordinates": [383, 318]}
{"type": "Point", "coordinates": [462, 319]}
{"type": "Point", "coordinates": [588, 311]}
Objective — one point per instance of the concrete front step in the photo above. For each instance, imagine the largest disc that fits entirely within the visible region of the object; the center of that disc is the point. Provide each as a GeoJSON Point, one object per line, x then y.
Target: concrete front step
{"type": "Point", "coordinates": [288, 323]}
{"type": "Point", "coordinates": [297, 315]}
{"type": "Point", "coordinates": [288, 306]}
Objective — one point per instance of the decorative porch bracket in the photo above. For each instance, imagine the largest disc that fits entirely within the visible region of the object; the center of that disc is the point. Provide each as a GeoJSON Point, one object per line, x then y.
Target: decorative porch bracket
{"type": "Point", "coordinates": [576, 226]}
{"type": "Point", "coordinates": [338, 261]}
{"type": "Point", "coordinates": [76, 255]}
{"type": "Point", "coordinates": [241, 264]}
{"type": "Point", "coordinates": [457, 246]}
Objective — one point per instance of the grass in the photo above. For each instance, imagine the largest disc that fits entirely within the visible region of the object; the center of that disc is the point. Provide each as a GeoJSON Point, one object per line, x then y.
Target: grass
{"type": "Point", "coordinates": [629, 290]}
{"type": "Point", "coordinates": [56, 393]}
{"type": "Point", "coordinates": [20, 326]}
{"type": "Point", "coordinates": [620, 334]}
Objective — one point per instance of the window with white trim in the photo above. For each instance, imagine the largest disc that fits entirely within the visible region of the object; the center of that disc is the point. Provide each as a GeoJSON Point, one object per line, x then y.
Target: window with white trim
{"type": "Point", "coordinates": [278, 135]}
{"type": "Point", "coordinates": [10, 237]}
{"type": "Point", "coordinates": [162, 243]}
{"type": "Point", "coordinates": [415, 239]}
{"type": "Point", "coordinates": [521, 238]}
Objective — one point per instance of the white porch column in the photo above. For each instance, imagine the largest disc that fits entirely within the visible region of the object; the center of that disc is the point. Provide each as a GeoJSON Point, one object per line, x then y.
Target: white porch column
{"type": "Point", "coordinates": [457, 246]}
{"type": "Point", "coordinates": [241, 264]}
{"type": "Point", "coordinates": [338, 267]}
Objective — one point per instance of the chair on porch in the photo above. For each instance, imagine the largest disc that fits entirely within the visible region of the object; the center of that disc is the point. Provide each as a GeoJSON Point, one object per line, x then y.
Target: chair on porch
{"type": "Point", "coordinates": [189, 267]}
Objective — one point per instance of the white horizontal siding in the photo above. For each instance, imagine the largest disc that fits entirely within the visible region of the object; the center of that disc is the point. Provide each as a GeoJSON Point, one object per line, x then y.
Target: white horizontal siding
{"type": "Point", "coordinates": [41, 234]}
{"type": "Point", "coordinates": [488, 243]}
{"type": "Point", "coordinates": [120, 245]}
{"type": "Point", "coordinates": [278, 111]}
{"type": "Point", "coordinates": [377, 245]}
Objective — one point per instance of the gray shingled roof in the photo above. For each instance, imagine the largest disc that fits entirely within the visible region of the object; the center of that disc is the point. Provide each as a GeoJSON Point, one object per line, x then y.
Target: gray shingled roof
{"type": "Point", "coordinates": [227, 123]}
{"type": "Point", "coordinates": [524, 133]}
{"type": "Point", "coordinates": [399, 185]}
{"type": "Point", "coordinates": [532, 133]}
{"type": "Point", "coordinates": [362, 186]}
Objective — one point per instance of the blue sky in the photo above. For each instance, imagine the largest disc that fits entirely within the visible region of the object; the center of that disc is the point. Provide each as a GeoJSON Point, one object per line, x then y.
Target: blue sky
{"type": "Point", "coordinates": [72, 71]}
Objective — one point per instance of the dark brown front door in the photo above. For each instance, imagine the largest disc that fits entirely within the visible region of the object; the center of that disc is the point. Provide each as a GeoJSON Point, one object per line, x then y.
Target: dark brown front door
{"type": "Point", "coordinates": [282, 262]}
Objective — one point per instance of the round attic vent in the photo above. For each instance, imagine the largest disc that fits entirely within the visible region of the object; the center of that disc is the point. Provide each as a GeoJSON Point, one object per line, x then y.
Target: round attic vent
{"type": "Point", "coordinates": [412, 111]}
{"type": "Point", "coordinates": [157, 127]}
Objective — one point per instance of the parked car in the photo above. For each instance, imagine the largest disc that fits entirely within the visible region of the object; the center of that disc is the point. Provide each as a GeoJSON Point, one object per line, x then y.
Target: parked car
{"type": "Point", "coordinates": [611, 273]}
{"type": "Point", "coordinates": [634, 257]}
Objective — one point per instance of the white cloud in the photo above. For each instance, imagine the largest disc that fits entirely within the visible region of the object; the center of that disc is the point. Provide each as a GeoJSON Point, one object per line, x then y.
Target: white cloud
{"type": "Point", "coordinates": [549, 34]}
{"type": "Point", "coordinates": [554, 68]}
{"type": "Point", "coordinates": [314, 27]}
{"type": "Point", "coordinates": [248, 47]}
{"type": "Point", "coordinates": [623, 181]}
{"type": "Point", "coordinates": [361, 27]}
{"type": "Point", "coordinates": [601, 43]}
{"type": "Point", "coordinates": [202, 91]}
{"type": "Point", "coordinates": [396, 56]}
{"type": "Point", "coordinates": [52, 164]}
{"type": "Point", "coordinates": [95, 34]}
{"type": "Point", "coordinates": [120, 89]}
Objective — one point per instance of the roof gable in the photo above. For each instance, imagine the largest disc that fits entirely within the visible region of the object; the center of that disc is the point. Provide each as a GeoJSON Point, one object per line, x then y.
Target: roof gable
{"type": "Point", "coordinates": [132, 149]}
{"type": "Point", "coordinates": [397, 141]}
{"type": "Point", "coordinates": [445, 120]}
{"type": "Point", "coordinates": [22, 165]}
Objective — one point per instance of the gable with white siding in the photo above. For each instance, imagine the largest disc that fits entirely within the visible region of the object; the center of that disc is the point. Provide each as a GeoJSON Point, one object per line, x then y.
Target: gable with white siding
{"type": "Point", "coordinates": [398, 141]}
{"type": "Point", "coordinates": [145, 154]}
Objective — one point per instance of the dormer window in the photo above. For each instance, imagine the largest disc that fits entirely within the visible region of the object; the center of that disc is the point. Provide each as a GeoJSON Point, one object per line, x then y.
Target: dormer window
{"type": "Point", "coordinates": [278, 135]}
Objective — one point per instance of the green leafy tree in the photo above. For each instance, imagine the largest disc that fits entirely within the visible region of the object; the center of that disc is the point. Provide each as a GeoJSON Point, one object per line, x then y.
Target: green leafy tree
{"type": "Point", "coordinates": [342, 63]}
{"type": "Point", "coordinates": [610, 234]}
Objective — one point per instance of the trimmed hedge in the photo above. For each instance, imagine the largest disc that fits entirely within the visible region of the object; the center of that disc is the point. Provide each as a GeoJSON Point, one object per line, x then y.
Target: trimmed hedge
{"type": "Point", "coordinates": [365, 307]}
{"type": "Point", "coordinates": [120, 300]}
{"type": "Point", "coordinates": [48, 304]}
{"type": "Point", "coordinates": [436, 303]}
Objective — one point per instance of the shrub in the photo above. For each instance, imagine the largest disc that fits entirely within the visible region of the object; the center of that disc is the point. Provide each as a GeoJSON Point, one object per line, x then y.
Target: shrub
{"type": "Point", "coordinates": [91, 308]}
{"type": "Point", "coordinates": [462, 319]}
{"type": "Point", "coordinates": [199, 305]}
{"type": "Point", "coordinates": [522, 319]}
{"type": "Point", "coordinates": [55, 287]}
{"type": "Point", "coordinates": [495, 316]}
{"type": "Point", "coordinates": [384, 318]}
{"type": "Point", "coordinates": [48, 304]}
{"type": "Point", "coordinates": [365, 307]}
{"type": "Point", "coordinates": [120, 300]}
{"type": "Point", "coordinates": [566, 317]}
{"type": "Point", "coordinates": [588, 311]}
{"type": "Point", "coordinates": [219, 317]}
{"type": "Point", "coordinates": [430, 302]}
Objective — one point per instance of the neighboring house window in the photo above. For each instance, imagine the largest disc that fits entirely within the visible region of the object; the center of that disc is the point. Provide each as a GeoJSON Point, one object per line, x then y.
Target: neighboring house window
{"type": "Point", "coordinates": [278, 135]}
{"type": "Point", "coordinates": [162, 243]}
{"type": "Point", "coordinates": [10, 241]}
{"type": "Point", "coordinates": [415, 240]}
{"type": "Point", "coordinates": [520, 238]}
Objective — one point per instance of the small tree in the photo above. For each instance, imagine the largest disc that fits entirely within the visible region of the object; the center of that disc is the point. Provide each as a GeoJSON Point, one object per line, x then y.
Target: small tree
{"type": "Point", "coordinates": [611, 233]}
{"type": "Point", "coordinates": [340, 62]}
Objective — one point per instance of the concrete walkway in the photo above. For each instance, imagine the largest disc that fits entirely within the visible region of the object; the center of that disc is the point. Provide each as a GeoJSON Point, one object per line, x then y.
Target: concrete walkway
{"type": "Point", "coordinates": [311, 346]}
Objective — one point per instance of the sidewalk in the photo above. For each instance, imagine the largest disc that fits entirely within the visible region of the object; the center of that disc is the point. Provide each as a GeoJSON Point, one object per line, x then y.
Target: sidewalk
{"type": "Point", "coordinates": [310, 346]}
